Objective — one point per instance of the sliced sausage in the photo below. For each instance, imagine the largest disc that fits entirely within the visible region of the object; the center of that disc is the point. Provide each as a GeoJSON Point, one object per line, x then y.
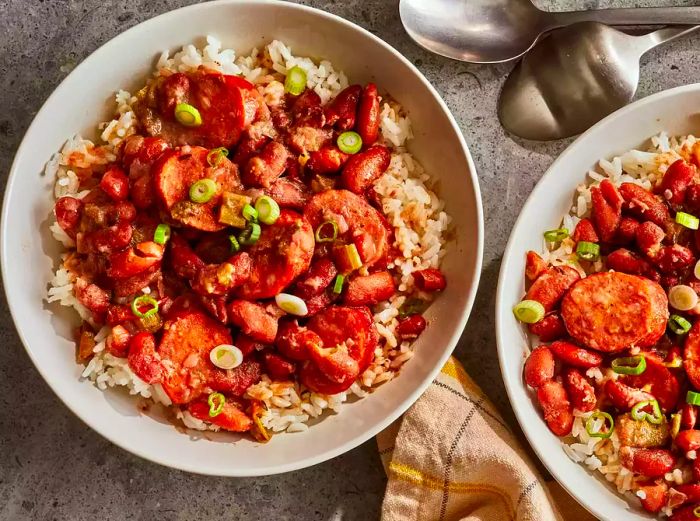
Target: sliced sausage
{"type": "Point", "coordinates": [227, 106]}
{"type": "Point", "coordinates": [231, 418]}
{"type": "Point", "coordinates": [253, 319]}
{"type": "Point", "coordinates": [611, 311]}
{"type": "Point", "coordinates": [184, 347]}
{"type": "Point", "coordinates": [282, 253]}
{"type": "Point", "coordinates": [353, 327]}
{"type": "Point", "coordinates": [354, 217]}
{"type": "Point", "coordinates": [175, 173]}
{"type": "Point", "coordinates": [370, 289]}
{"type": "Point", "coordinates": [550, 287]}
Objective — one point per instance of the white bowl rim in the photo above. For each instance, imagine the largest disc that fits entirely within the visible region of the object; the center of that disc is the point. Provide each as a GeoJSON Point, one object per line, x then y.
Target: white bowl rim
{"type": "Point", "coordinates": [422, 385]}
{"type": "Point", "coordinates": [541, 446]}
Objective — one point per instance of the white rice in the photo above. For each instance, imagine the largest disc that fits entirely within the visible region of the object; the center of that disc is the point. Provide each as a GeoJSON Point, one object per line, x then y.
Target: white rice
{"type": "Point", "coordinates": [414, 211]}
{"type": "Point", "coordinates": [645, 168]}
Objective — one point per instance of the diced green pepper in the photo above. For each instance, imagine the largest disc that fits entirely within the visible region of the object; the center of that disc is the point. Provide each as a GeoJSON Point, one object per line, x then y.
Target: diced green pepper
{"type": "Point", "coordinates": [231, 211]}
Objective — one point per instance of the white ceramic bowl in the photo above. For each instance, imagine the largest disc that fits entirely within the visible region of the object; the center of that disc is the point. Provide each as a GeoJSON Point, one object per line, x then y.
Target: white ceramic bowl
{"type": "Point", "coordinates": [84, 99]}
{"type": "Point", "coordinates": [673, 111]}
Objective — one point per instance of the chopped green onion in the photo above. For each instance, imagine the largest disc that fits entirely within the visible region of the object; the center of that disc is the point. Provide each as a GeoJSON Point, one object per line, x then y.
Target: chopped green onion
{"type": "Point", "coordinates": [600, 415]}
{"type": "Point", "coordinates": [696, 511]}
{"type": "Point", "coordinates": [682, 297]}
{"type": "Point", "coordinates": [291, 304]}
{"type": "Point", "coordinates": [250, 214]}
{"type": "Point", "coordinates": [696, 270]}
{"type": "Point", "coordinates": [353, 256]}
{"type": "Point", "coordinates": [215, 156]}
{"type": "Point", "coordinates": [338, 285]}
{"type": "Point", "coordinates": [187, 115]}
{"type": "Point", "coordinates": [162, 234]}
{"type": "Point", "coordinates": [295, 83]}
{"type": "Point", "coordinates": [678, 324]}
{"type": "Point", "coordinates": [235, 245]}
{"type": "Point", "coordinates": [633, 365]}
{"type": "Point", "coordinates": [144, 300]}
{"type": "Point", "coordinates": [268, 209]}
{"type": "Point", "coordinates": [529, 311]}
{"type": "Point", "coordinates": [216, 403]}
{"type": "Point", "coordinates": [588, 251]}
{"type": "Point", "coordinates": [250, 235]}
{"type": "Point", "coordinates": [692, 398]}
{"type": "Point", "coordinates": [639, 414]}
{"type": "Point", "coordinates": [327, 231]}
{"type": "Point", "coordinates": [349, 142]}
{"type": "Point", "coordinates": [226, 356]}
{"type": "Point", "coordinates": [557, 235]}
{"type": "Point", "coordinates": [687, 220]}
{"type": "Point", "coordinates": [202, 191]}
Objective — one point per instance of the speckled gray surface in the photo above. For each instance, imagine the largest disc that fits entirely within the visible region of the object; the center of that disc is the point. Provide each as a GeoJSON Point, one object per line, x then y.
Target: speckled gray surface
{"type": "Point", "coordinates": [52, 466]}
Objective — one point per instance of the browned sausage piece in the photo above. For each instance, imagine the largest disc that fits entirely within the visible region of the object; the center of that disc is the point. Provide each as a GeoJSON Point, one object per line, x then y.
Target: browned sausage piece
{"type": "Point", "coordinates": [550, 287]}
{"type": "Point", "coordinates": [612, 311]}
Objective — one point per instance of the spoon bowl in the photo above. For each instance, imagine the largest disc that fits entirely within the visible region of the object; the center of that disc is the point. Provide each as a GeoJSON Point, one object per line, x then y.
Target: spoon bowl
{"type": "Point", "coordinates": [477, 31]}
{"type": "Point", "coordinates": [494, 31]}
{"type": "Point", "coordinates": [574, 78]}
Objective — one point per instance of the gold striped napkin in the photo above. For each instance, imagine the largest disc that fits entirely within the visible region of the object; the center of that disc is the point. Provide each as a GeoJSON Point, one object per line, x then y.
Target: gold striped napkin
{"type": "Point", "coordinates": [451, 457]}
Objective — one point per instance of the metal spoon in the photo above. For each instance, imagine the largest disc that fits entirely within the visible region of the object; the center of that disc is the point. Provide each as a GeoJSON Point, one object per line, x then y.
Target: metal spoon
{"type": "Point", "coordinates": [574, 78]}
{"type": "Point", "coordinates": [492, 31]}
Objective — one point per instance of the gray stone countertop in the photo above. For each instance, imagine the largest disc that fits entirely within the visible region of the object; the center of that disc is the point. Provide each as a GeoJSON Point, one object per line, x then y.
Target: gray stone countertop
{"type": "Point", "coordinates": [52, 466]}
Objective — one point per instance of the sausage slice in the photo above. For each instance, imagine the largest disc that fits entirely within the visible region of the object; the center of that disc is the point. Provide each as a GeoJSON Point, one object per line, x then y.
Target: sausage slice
{"type": "Point", "coordinates": [612, 311]}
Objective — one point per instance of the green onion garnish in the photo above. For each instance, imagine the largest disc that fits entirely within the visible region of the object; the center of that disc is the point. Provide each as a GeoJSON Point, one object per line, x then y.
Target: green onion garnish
{"type": "Point", "coordinates": [588, 251]}
{"type": "Point", "coordinates": [235, 245]}
{"type": "Point", "coordinates": [250, 235]}
{"type": "Point", "coordinates": [216, 403]}
{"type": "Point", "coordinates": [295, 83]}
{"type": "Point", "coordinates": [696, 511]}
{"type": "Point", "coordinates": [529, 311]}
{"type": "Point", "coordinates": [338, 285]}
{"type": "Point", "coordinates": [327, 231]}
{"type": "Point", "coordinates": [557, 235]}
{"type": "Point", "coordinates": [249, 213]}
{"type": "Point", "coordinates": [187, 115]}
{"type": "Point", "coordinates": [268, 209]}
{"type": "Point", "coordinates": [291, 304]}
{"type": "Point", "coordinates": [692, 398]}
{"type": "Point", "coordinates": [600, 415]}
{"type": "Point", "coordinates": [634, 365]}
{"type": "Point", "coordinates": [687, 220]}
{"type": "Point", "coordinates": [162, 234]}
{"type": "Point", "coordinates": [349, 142]}
{"type": "Point", "coordinates": [639, 414]}
{"type": "Point", "coordinates": [202, 191]}
{"type": "Point", "coordinates": [678, 324]}
{"type": "Point", "coordinates": [215, 156]}
{"type": "Point", "coordinates": [144, 300]}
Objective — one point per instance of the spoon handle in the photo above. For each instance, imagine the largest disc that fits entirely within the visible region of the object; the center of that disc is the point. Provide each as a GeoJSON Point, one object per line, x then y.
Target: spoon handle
{"type": "Point", "coordinates": [630, 16]}
{"type": "Point", "coordinates": [650, 40]}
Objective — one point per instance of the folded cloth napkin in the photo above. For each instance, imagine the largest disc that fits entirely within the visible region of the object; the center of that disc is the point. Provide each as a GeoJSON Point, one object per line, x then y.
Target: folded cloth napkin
{"type": "Point", "coordinates": [451, 457]}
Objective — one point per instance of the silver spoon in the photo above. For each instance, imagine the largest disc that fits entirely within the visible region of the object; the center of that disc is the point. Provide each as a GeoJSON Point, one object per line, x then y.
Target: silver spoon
{"type": "Point", "coordinates": [492, 31]}
{"type": "Point", "coordinates": [574, 78]}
